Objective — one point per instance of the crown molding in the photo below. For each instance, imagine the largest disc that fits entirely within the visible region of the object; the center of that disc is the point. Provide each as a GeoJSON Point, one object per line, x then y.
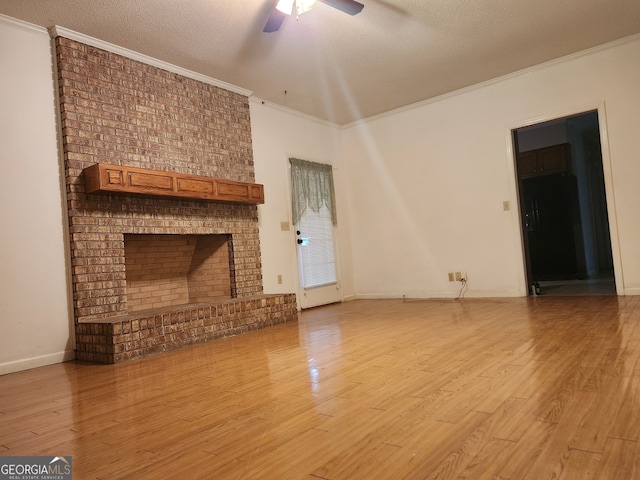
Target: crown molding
{"type": "Point", "coordinates": [57, 31]}
{"type": "Point", "coordinates": [29, 27]}
{"type": "Point", "coordinates": [509, 76]}
{"type": "Point", "coordinates": [259, 102]}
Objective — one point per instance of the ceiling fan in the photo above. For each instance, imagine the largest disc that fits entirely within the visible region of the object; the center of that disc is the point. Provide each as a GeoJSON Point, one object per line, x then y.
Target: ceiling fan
{"type": "Point", "coordinates": [288, 7]}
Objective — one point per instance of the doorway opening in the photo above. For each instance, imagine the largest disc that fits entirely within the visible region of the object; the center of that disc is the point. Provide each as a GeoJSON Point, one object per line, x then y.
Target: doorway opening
{"type": "Point", "coordinates": [563, 207]}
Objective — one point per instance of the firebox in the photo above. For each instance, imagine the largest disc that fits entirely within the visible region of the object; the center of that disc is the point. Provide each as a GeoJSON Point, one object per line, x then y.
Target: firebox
{"type": "Point", "coordinates": [171, 270]}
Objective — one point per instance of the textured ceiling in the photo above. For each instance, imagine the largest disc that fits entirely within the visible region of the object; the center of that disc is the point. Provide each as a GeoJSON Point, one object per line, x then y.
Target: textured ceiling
{"type": "Point", "coordinates": [342, 68]}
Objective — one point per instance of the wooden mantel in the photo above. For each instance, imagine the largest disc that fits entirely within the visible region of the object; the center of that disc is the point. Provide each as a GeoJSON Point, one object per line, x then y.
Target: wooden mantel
{"type": "Point", "coordinates": [103, 178]}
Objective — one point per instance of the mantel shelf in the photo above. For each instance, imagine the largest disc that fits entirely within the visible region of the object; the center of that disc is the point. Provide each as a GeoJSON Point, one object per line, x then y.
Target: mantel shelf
{"type": "Point", "coordinates": [103, 178]}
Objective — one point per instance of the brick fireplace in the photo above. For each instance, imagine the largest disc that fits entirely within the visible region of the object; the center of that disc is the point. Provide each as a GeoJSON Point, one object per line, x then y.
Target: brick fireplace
{"type": "Point", "coordinates": [151, 273]}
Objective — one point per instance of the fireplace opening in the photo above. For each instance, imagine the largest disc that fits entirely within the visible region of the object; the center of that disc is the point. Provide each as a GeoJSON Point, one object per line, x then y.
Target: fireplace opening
{"type": "Point", "coordinates": [170, 270]}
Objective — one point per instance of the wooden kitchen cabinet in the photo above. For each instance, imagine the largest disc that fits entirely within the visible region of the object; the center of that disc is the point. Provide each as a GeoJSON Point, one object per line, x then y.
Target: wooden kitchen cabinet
{"type": "Point", "coordinates": [544, 161]}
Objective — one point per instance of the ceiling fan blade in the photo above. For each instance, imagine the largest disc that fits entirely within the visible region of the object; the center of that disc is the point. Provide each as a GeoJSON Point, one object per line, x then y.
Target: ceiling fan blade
{"type": "Point", "coordinates": [275, 20]}
{"type": "Point", "coordinates": [347, 6]}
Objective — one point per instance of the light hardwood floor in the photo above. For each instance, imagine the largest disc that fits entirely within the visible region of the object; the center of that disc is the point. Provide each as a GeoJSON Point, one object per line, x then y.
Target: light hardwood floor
{"type": "Point", "coordinates": [523, 389]}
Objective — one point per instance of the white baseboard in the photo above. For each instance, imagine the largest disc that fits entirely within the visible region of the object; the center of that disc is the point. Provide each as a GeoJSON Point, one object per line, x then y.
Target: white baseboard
{"type": "Point", "coordinates": [34, 362]}
{"type": "Point", "coordinates": [440, 295]}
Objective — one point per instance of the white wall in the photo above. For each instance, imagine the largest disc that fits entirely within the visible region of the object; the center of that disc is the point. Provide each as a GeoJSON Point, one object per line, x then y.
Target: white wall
{"type": "Point", "coordinates": [34, 310]}
{"type": "Point", "coordinates": [279, 134]}
{"type": "Point", "coordinates": [419, 190]}
{"type": "Point", "coordinates": [427, 183]}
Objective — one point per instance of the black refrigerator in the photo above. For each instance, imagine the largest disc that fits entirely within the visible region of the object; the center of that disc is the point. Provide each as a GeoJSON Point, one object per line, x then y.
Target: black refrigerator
{"type": "Point", "coordinates": [553, 226]}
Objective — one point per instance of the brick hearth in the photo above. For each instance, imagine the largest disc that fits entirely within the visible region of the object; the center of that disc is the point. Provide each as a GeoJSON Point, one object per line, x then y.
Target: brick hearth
{"type": "Point", "coordinates": [124, 338]}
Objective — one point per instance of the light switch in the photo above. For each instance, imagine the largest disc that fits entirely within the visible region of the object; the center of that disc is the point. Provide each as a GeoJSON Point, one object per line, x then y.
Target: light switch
{"type": "Point", "coordinates": [284, 226]}
{"type": "Point", "coordinates": [506, 206]}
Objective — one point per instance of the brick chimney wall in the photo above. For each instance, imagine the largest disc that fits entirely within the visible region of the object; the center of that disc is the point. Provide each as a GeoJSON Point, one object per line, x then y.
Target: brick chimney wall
{"type": "Point", "coordinates": [120, 111]}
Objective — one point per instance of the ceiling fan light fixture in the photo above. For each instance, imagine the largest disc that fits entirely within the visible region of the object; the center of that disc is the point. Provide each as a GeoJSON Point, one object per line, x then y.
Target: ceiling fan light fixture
{"type": "Point", "coordinates": [304, 6]}
{"type": "Point", "coordinates": [285, 6]}
{"type": "Point", "coordinates": [301, 6]}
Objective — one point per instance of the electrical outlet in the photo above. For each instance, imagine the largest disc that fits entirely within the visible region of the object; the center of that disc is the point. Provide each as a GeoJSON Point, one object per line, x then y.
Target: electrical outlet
{"type": "Point", "coordinates": [451, 277]}
{"type": "Point", "coordinates": [458, 276]}
{"type": "Point", "coordinates": [279, 279]}
{"type": "Point", "coordinates": [463, 276]}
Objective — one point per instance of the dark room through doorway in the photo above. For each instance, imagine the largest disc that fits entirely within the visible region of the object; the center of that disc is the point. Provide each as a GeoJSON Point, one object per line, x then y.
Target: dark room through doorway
{"type": "Point", "coordinates": [563, 207]}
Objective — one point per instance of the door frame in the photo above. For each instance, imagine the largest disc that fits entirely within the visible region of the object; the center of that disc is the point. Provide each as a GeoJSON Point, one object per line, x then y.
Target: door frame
{"type": "Point", "coordinates": [608, 185]}
{"type": "Point", "coordinates": [528, 272]}
{"type": "Point", "coordinates": [300, 291]}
